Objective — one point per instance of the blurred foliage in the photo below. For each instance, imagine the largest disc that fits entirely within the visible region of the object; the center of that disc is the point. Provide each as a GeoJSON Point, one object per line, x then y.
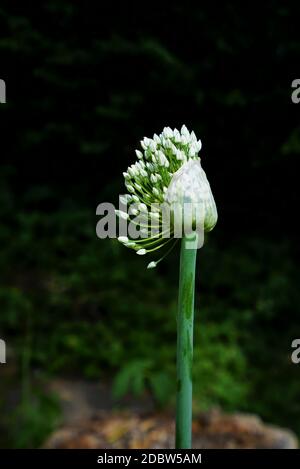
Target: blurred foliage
{"type": "Point", "coordinates": [96, 311]}
{"type": "Point", "coordinates": [83, 85]}
{"type": "Point", "coordinates": [32, 421]}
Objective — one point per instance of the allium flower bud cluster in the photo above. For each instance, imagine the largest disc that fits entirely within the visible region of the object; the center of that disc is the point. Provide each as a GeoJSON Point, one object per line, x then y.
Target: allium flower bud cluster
{"type": "Point", "coordinates": [167, 173]}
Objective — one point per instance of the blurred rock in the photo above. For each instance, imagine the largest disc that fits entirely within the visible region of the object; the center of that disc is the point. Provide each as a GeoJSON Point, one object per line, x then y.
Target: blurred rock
{"type": "Point", "coordinates": [218, 430]}
{"type": "Point", "coordinates": [108, 429]}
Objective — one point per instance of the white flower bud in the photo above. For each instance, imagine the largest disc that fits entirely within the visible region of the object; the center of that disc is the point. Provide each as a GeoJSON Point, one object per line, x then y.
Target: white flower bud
{"type": "Point", "coordinates": [152, 145]}
{"type": "Point", "coordinates": [142, 207]}
{"type": "Point", "coordinates": [147, 181]}
{"type": "Point", "coordinates": [193, 137]}
{"type": "Point", "coordinates": [130, 188]}
{"type": "Point", "coordinates": [163, 140]}
{"type": "Point", "coordinates": [199, 145]}
{"type": "Point", "coordinates": [150, 166]}
{"type": "Point", "coordinates": [192, 151]}
{"type": "Point", "coordinates": [123, 239]}
{"type": "Point", "coordinates": [162, 159]}
{"type": "Point", "coordinates": [184, 139]}
{"type": "Point", "coordinates": [177, 136]}
{"type": "Point", "coordinates": [184, 131]}
{"type": "Point", "coordinates": [121, 214]}
{"type": "Point", "coordinates": [180, 155]}
{"type": "Point", "coordinates": [189, 185]}
{"type": "Point", "coordinates": [123, 199]}
{"type": "Point", "coordinates": [148, 153]}
{"type": "Point", "coordinates": [131, 171]}
{"type": "Point", "coordinates": [168, 133]}
{"type": "Point", "coordinates": [139, 154]}
{"type": "Point", "coordinates": [145, 143]}
{"type": "Point", "coordinates": [168, 143]}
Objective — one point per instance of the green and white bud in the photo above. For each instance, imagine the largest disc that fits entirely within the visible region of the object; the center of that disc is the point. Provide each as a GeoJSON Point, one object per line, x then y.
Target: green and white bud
{"type": "Point", "coordinates": [122, 215]}
{"type": "Point", "coordinates": [123, 239]}
{"type": "Point", "coordinates": [139, 154]}
{"type": "Point", "coordinates": [168, 172]}
{"type": "Point", "coordinates": [189, 187]}
{"type": "Point", "coordinates": [130, 188]}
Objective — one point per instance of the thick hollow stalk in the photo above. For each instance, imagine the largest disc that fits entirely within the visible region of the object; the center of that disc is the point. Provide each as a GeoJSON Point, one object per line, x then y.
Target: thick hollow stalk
{"type": "Point", "coordinates": [185, 322]}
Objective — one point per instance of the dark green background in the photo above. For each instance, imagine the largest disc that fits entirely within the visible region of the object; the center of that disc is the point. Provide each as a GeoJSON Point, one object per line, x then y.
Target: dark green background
{"type": "Point", "coordinates": [84, 84]}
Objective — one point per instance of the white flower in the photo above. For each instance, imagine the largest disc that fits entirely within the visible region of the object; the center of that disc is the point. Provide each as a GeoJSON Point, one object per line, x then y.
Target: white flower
{"type": "Point", "coordinates": [139, 154]}
{"type": "Point", "coordinates": [123, 239]}
{"type": "Point", "coordinates": [142, 207]}
{"type": "Point", "coordinates": [124, 199]}
{"type": "Point", "coordinates": [167, 132]}
{"type": "Point", "coordinates": [121, 214]}
{"type": "Point", "coordinates": [184, 131]}
{"type": "Point", "coordinates": [168, 171]}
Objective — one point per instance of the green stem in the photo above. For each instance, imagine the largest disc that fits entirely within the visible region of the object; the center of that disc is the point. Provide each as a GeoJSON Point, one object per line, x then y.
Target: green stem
{"type": "Point", "coordinates": [185, 322]}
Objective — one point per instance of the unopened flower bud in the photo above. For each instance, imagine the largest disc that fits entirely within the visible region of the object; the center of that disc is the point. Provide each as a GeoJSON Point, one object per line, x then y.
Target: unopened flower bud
{"type": "Point", "coordinates": [190, 190]}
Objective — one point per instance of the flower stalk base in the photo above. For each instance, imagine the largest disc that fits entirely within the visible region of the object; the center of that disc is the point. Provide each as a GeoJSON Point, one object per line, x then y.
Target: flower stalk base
{"type": "Point", "coordinates": [185, 325]}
